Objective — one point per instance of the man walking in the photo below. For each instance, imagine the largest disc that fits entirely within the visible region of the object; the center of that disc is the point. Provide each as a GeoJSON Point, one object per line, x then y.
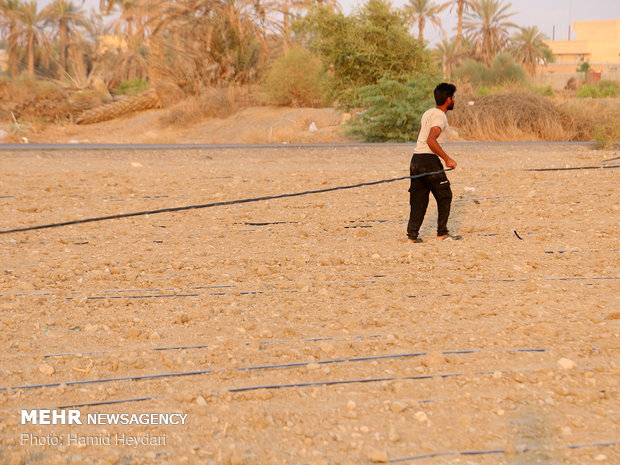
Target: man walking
{"type": "Point", "coordinates": [426, 159]}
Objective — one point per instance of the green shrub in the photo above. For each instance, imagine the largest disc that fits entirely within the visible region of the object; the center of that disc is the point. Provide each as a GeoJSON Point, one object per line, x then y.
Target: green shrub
{"type": "Point", "coordinates": [546, 91]}
{"type": "Point", "coordinates": [584, 67]}
{"type": "Point", "coordinates": [503, 71]}
{"type": "Point", "coordinates": [588, 91]}
{"type": "Point", "coordinates": [604, 83]}
{"type": "Point", "coordinates": [483, 91]}
{"type": "Point", "coordinates": [393, 109]}
{"type": "Point", "coordinates": [135, 87]}
{"type": "Point", "coordinates": [609, 88]}
{"type": "Point", "coordinates": [607, 134]}
{"type": "Point", "coordinates": [609, 92]}
{"type": "Point", "coordinates": [296, 79]}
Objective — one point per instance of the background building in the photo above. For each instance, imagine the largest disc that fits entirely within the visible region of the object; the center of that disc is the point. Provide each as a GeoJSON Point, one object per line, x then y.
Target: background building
{"type": "Point", "coordinates": [598, 43]}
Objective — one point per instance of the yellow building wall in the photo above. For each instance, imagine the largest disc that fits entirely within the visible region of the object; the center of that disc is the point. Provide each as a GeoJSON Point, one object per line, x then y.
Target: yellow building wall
{"type": "Point", "coordinates": [597, 42]}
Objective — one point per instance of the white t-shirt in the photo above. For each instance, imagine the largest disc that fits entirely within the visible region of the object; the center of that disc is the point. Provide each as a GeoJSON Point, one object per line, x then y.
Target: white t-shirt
{"type": "Point", "coordinates": [431, 118]}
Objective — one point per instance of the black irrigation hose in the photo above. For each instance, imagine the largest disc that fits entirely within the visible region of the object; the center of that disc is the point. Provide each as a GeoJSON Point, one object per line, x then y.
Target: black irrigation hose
{"type": "Point", "coordinates": [292, 365]}
{"type": "Point", "coordinates": [219, 204]}
{"type": "Point", "coordinates": [150, 296]}
{"type": "Point", "coordinates": [204, 346]}
{"type": "Point", "coordinates": [109, 402]}
{"type": "Point", "coordinates": [574, 168]}
{"type": "Point", "coordinates": [492, 451]}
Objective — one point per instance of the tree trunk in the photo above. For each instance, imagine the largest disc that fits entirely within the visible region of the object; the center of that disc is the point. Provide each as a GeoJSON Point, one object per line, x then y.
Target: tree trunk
{"type": "Point", "coordinates": [421, 22]}
{"type": "Point", "coordinates": [13, 61]}
{"type": "Point", "coordinates": [31, 53]}
{"type": "Point", "coordinates": [62, 45]}
{"type": "Point", "coordinates": [286, 33]}
{"type": "Point", "coordinates": [459, 29]}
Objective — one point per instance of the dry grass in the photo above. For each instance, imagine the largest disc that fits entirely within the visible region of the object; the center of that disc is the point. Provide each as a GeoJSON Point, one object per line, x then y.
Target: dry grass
{"type": "Point", "coordinates": [595, 119]}
{"type": "Point", "coordinates": [512, 116]}
{"type": "Point", "coordinates": [37, 103]}
{"type": "Point", "coordinates": [211, 103]}
{"type": "Point", "coordinates": [526, 116]}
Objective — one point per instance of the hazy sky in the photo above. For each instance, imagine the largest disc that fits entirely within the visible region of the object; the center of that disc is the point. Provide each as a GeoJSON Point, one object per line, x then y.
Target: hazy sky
{"type": "Point", "coordinates": [542, 13]}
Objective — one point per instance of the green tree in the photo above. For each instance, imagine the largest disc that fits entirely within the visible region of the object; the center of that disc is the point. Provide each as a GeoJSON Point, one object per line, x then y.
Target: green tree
{"type": "Point", "coordinates": [488, 25]}
{"type": "Point", "coordinates": [8, 24]}
{"type": "Point", "coordinates": [360, 49]}
{"type": "Point", "coordinates": [421, 11]}
{"type": "Point", "coordinates": [529, 49]}
{"type": "Point", "coordinates": [393, 109]}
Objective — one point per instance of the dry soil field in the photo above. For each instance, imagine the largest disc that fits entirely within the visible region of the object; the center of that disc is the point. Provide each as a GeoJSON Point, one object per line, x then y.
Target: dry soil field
{"type": "Point", "coordinates": [306, 330]}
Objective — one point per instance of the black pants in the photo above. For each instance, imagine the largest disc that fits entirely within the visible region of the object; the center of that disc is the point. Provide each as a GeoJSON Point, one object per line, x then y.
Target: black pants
{"type": "Point", "coordinates": [438, 184]}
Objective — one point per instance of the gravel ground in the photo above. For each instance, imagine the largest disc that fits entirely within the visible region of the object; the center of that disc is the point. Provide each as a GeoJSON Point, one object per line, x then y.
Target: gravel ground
{"type": "Point", "coordinates": [306, 330]}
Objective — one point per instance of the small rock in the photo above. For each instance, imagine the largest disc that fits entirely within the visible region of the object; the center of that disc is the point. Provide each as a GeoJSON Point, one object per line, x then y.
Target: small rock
{"type": "Point", "coordinates": [398, 407]}
{"type": "Point", "coordinates": [236, 458]}
{"type": "Point", "coordinates": [421, 416]}
{"type": "Point", "coordinates": [393, 434]}
{"type": "Point", "coordinates": [351, 405]}
{"type": "Point", "coordinates": [154, 336]}
{"type": "Point", "coordinates": [600, 458]}
{"type": "Point", "coordinates": [327, 348]}
{"type": "Point", "coordinates": [46, 369]}
{"type": "Point", "coordinates": [566, 364]}
{"type": "Point", "coordinates": [433, 359]}
{"type": "Point", "coordinates": [201, 400]}
{"type": "Point", "coordinates": [377, 456]}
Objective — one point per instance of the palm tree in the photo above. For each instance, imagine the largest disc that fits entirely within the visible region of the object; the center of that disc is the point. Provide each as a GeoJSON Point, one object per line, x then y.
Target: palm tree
{"type": "Point", "coordinates": [8, 24]}
{"type": "Point", "coordinates": [488, 24]}
{"type": "Point", "coordinates": [32, 33]}
{"type": "Point", "coordinates": [420, 11]}
{"type": "Point", "coordinates": [529, 49]}
{"type": "Point", "coordinates": [461, 6]}
{"type": "Point", "coordinates": [66, 16]}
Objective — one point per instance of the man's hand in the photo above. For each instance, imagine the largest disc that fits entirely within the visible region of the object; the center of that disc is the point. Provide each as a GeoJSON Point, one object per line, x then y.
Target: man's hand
{"type": "Point", "coordinates": [450, 163]}
{"type": "Point", "coordinates": [436, 148]}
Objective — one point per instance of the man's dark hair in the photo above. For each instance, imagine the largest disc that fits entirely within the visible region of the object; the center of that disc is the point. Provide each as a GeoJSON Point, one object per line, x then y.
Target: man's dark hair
{"type": "Point", "coordinates": [443, 91]}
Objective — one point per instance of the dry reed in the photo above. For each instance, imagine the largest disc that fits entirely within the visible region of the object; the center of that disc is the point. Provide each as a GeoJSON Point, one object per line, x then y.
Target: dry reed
{"type": "Point", "coordinates": [513, 116]}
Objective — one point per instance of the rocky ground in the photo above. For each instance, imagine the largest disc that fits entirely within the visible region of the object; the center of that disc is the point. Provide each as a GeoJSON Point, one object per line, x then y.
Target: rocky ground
{"type": "Point", "coordinates": [305, 330]}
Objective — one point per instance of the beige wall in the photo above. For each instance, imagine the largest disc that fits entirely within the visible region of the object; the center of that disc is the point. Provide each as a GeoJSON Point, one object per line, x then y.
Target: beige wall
{"type": "Point", "coordinates": [597, 42]}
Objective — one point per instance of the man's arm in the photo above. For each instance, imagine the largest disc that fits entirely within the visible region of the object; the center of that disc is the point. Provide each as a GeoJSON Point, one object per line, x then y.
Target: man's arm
{"type": "Point", "coordinates": [436, 148]}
